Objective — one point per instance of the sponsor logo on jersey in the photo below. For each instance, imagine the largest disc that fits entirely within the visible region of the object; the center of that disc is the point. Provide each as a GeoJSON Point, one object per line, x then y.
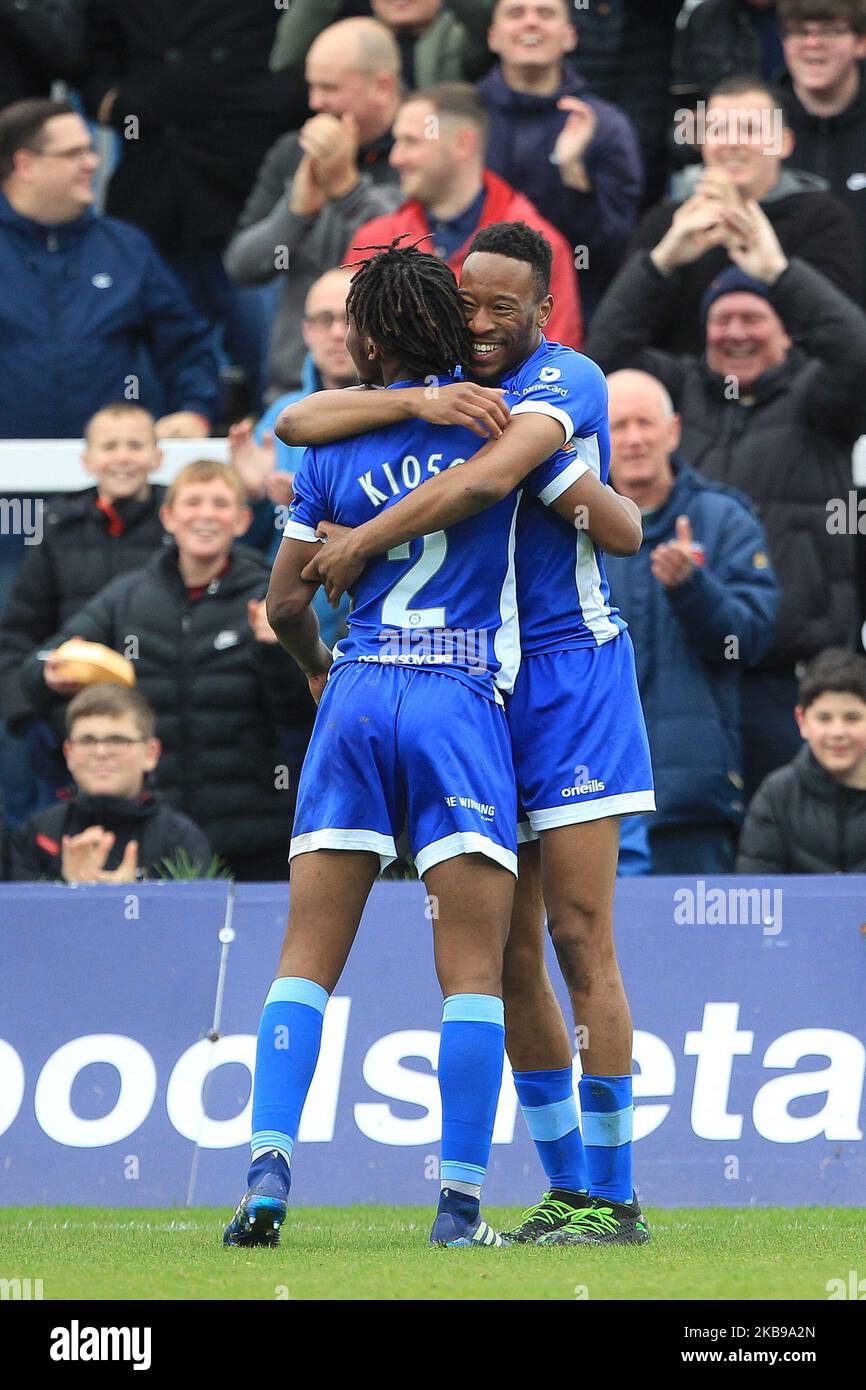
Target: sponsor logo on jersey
{"type": "Point", "coordinates": [549, 374]}
{"type": "Point", "coordinates": [584, 788]}
{"type": "Point", "coordinates": [102, 281]}
{"type": "Point", "coordinates": [484, 809]}
{"type": "Point", "coordinates": [225, 639]}
{"type": "Point", "coordinates": [546, 386]}
{"type": "Point", "coordinates": [857, 182]}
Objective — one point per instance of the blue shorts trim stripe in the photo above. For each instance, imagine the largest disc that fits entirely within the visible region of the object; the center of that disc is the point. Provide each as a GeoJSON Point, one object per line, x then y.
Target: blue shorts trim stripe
{"type": "Point", "coordinates": [292, 990]}
{"type": "Point", "coordinates": [464, 842]}
{"type": "Point", "coordinates": [383, 845]}
{"type": "Point", "coordinates": [548, 1122]}
{"type": "Point", "coordinates": [608, 1131]}
{"type": "Point", "coordinates": [473, 1008]}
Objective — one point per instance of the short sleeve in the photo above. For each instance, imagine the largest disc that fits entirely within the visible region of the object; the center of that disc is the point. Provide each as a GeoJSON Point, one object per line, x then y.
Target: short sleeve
{"type": "Point", "coordinates": [556, 474]}
{"type": "Point", "coordinates": [569, 388]}
{"type": "Point", "coordinates": [308, 506]}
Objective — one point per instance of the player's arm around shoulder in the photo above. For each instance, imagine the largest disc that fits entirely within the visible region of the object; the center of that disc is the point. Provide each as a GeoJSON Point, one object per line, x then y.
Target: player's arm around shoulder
{"type": "Point", "coordinates": [327, 416]}
{"type": "Point", "coordinates": [613, 522]}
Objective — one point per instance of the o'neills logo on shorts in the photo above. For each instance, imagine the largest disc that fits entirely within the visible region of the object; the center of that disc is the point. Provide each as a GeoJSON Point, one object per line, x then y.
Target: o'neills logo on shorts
{"type": "Point", "coordinates": [584, 789]}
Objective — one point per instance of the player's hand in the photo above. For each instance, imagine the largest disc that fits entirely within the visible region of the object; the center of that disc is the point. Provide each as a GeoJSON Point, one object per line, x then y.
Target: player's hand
{"type": "Point", "coordinates": [257, 617]}
{"type": "Point", "coordinates": [753, 244]}
{"type": "Point", "coordinates": [337, 564]}
{"type": "Point", "coordinates": [672, 563]}
{"type": "Point", "coordinates": [127, 869]}
{"type": "Point", "coordinates": [182, 424]}
{"type": "Point", "coordinates": [698, 225]}
{"type": "Point", "coordinates": [306, 198]}
{"type": "Point", "coordinates": [318, 679]}
{"type": "Point", "coordinates": [52, 673]}
{"type": "Point", "coordinates": [83, 856]}
{"type": "Point", "coordinates": [478, 408]}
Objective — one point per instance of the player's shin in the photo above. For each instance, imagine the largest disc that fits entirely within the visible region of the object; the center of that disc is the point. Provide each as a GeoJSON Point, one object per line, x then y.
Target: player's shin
{"type": "Point", "coordinates": [607, 1109]}
{"type": "Point", "coordinates": [471, 1056]}
{"type": "Point", "coordinates": [550, 1110]}
{"type": "Point", "coordinates": [290, 1034]}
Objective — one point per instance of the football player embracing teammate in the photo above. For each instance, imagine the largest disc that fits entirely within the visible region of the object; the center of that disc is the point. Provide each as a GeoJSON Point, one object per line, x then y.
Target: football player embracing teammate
{"type": "Point", "coordinates": [577, 731]}
{"type": "Point", "coordinates": [409, 733]}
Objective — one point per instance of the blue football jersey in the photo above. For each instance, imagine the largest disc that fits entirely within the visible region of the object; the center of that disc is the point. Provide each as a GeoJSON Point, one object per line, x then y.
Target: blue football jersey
{"type": "Point", "coordinates": [562, 591]}
{"type": "Point", "coordinates": [446, 602]}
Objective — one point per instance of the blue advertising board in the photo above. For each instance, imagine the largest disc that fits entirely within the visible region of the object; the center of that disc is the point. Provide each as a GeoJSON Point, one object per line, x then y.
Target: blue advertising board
{"type": "Point", "coordinates": [749, 1002]}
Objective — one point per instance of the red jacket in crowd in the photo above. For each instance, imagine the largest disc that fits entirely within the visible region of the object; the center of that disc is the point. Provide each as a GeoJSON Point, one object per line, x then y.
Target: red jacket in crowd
{"type": "Point", "coordinates": [502, 203]}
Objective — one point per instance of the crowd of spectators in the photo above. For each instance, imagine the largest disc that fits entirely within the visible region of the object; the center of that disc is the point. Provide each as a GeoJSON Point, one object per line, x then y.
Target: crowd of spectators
{"type": "Point", "coordinates": [181, 191]}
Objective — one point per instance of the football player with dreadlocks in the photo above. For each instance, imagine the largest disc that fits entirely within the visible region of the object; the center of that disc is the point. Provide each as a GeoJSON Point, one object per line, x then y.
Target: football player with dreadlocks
{"type": "Point", "coordinates": [411, 732]}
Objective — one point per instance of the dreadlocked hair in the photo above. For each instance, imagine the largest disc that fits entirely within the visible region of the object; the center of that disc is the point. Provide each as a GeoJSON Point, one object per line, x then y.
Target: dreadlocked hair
{"type": "Point", "coordinates": [406, 302]}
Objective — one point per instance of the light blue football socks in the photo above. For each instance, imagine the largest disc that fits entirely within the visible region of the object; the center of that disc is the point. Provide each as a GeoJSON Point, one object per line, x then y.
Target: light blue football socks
{"type": "Point", "coordinates": [471, 1056]}
{"type": "Point", "coordinates": [290, 1034]}
{"type": "Point", "coordinates": [550, 1110]}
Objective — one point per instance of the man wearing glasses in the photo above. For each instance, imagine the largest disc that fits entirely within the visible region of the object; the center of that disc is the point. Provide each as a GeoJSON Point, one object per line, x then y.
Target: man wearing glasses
{"type": "Point", "coordinates": [825, 96]}
{"type": "Point", "coordinates": [89, 312]}
{"type": "Point", "coordinates": [112, 829]}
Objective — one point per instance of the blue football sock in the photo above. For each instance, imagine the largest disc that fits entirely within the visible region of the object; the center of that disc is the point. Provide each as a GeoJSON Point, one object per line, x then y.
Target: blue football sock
{"type": "Point", "coordinates": [550, 1111]}
{"type": "Point", "coordinates": [290, 1034]}
{"type": "Point", "coordinates": [471, 1054]}
{"type": "Point", "coordinates": [606, 1111]}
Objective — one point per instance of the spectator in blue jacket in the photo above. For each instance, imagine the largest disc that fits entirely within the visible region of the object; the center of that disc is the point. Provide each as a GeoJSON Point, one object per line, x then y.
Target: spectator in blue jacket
{"type": "Point", "coordinates": [700, 600]}
{"type": "Point", "coordinates": [89, 313]}
{"type": "Point", "coordinates": [575, 156]}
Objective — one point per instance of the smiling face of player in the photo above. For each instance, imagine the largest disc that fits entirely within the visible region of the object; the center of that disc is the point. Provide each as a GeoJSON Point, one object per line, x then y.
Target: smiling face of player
{"type": "Point", "coordinates": [106, 768]}
{"type": "Point", "coordinates": [503, 313]}
{"type": "Point", "coordinates": [120, 452]}
{"type": "Point", "coordinates": [834, 726]}
{"type": "Point", "coordinates": [205, 518]}
{"type": "Point", "coordinates": [745, 338]}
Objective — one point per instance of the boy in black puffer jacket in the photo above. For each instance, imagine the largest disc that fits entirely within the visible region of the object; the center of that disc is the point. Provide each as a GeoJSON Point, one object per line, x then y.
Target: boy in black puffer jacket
{"type": "Point", "coordinates": [810, 817]}
{"type": "Point", "coordinates": [233, 710]}
{"type": "Point", "coordinates": [112, 829]}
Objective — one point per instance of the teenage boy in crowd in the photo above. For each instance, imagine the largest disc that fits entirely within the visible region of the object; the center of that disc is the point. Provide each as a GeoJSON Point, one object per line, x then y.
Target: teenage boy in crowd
{"type": "Point", "coordinates": [233, 712]}
{"type": "Point", "coordinates": [810, 816]}
{"type": "Point", "coordinates": [113, 828]}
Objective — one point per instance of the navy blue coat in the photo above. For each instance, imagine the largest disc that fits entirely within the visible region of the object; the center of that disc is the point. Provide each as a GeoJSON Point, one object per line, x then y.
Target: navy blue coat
{"type": "Point", "coordinates": [524, 129]}
{"type": "Point", "coordinates": [690, 688]}
{"type": "Point", "coordinates": [85, 305]}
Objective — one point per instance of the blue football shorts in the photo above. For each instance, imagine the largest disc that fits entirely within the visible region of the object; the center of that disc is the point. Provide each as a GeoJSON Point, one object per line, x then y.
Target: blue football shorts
{"type": "Point", "coordinates": [399, 749]}
{"type": "Point", "coordinates": [578, 737]}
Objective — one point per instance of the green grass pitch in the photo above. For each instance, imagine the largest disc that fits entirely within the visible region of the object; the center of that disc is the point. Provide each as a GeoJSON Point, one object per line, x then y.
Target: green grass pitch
{"type": "Point", "coordinates": [381, 1253]}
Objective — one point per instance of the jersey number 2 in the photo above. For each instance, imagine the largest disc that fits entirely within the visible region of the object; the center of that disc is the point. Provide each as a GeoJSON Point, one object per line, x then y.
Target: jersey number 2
{"type": "Point", "coordinates": [397, 610]}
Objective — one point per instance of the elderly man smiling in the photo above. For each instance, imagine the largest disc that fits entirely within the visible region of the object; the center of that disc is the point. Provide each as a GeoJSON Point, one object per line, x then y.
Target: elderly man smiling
{"type": "Point", "coordinates": [775, 420]}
